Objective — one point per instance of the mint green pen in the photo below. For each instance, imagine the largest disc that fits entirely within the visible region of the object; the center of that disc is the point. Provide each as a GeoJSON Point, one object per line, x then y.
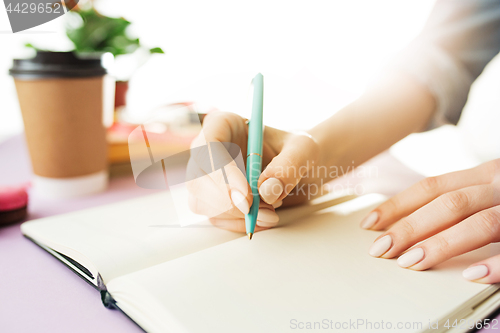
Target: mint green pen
{"type": "Point", "coordinates": [254, 151]}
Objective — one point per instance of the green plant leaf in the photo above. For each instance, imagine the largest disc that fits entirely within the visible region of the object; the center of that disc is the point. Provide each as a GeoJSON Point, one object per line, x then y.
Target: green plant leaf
{"type": "Point", "coordinates": [31, 46]}
{"type": "Point", "coordinates": [93, 32]}
{"type": "Point", "coordinates": [156, 50]}
{"type": "Point", "coordinates": [100, 33]}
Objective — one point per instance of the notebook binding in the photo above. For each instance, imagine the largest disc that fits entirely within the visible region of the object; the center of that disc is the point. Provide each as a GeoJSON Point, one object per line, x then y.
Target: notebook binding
{"type": "Point", "coordinates": [106, 298]}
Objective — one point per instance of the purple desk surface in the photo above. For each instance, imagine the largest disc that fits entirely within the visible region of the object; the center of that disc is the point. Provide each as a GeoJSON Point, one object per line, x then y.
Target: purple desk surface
{"type": "Point", "coordinates": [39, 294]}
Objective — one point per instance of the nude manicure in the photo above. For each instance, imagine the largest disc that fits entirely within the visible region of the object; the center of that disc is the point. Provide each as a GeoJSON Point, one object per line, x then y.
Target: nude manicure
{"type": "Point", "coordinates": [240, 201]}
{"type": "Point", "coordinates": [475, 272]}
{"type": "Point", "coordinates": [278, 204]}
{"type": "Point", "coordinates": [380, 246]}
{"type": "Point", "coordinates": [411, 257]}
{"type": "Point", "coordinates": [267, 216]}
{"type": "Point", "coordinates": [266, 225]}
{"type": "Point", "coordinates": [369, 221]}
{"type": "Point", "coordinates": [270, 190]}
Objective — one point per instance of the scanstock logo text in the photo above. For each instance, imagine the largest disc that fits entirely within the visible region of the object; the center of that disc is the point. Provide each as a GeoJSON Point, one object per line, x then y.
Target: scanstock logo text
{"type": "Point", "coordinates": [25, 14]}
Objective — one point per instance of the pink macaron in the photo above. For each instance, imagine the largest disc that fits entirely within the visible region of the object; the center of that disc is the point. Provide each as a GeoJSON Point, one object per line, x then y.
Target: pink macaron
{"type": "Point", "coordinates": [13, 204]}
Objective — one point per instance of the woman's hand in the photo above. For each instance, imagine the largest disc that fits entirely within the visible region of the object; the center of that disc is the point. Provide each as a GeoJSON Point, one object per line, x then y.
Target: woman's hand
{"type": "Point", "coordinates": [286, 160]}
{"type": "Point", "coordinates": [450, 215]}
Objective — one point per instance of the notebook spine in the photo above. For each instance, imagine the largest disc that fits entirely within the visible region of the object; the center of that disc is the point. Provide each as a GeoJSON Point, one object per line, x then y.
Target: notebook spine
{"type": "Point", "coordinates": [106, 298]}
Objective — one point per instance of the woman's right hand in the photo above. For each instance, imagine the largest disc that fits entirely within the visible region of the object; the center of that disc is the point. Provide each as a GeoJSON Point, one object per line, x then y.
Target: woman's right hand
{"type": "Point", "coordinates": [287, 158]}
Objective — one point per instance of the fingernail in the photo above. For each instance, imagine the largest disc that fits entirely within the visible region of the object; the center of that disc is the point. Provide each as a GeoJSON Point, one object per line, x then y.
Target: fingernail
{"type": "Point", "coordinates": [475, 272]}
{"type": "Point", "coordinates": [240, 201]}
{"type": "Point", "coordinates": [411, 257]}
{"type": "Point", "coordinates": [270, 190]}
{"type": "Point", "coordinates": [278, 204]}
{"type": "Point", "coordinates": [266, 225]}
{"type": "Point", "coordinates": [369, 221]}
{"type": "Point", "coordinates": [267, 216]}
{"type": "Point", "coordinates": [380, 246]}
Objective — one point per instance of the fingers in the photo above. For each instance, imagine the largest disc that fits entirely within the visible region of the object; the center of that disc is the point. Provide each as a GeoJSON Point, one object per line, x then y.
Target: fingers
{"type": "Point", "coordinates": [240, 201]}
{"type": "Point", "coordinates": [474, 232]}
{"type": "Point", "coordinates": [271, 189]}
{"type": "Point", "coordinates": [486, 271]}
{"type": "Point", "coordinates": [266, 218]}
{"type": "Point", "coordinates": [215, 158]}
{"type": "Point", "coordinates": [221, 127]}
{"type": "Point", "coordinates": [451, 218]}
{"type": "Point", "coordinates": [240, 191]}
{"type": "Point", "coordinates": [285, 171]}
{"type": "Point", "coordinates": [235, 225]}
{"type": "Point", "coordinates": [425, 191]}
{"type": "Point", "coordinates": [210, 209]}
{"type": "Point", "coordinates": [440, 214]}
{"type": "Point", "coordinates": [232, 173]}
{"type": "Point", "coordinates": [278, 204]}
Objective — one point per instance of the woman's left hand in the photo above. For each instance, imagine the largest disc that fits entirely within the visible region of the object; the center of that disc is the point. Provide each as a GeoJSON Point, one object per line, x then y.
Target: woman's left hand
{"type": "Point", "coordinates": [450, 215]}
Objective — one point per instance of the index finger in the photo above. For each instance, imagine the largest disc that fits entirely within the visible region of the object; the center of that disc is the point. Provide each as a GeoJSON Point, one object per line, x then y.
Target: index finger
{"type": "Point", "coordinates": [215, 153]}
{"type": "Point", "coordinates": [425, 191]}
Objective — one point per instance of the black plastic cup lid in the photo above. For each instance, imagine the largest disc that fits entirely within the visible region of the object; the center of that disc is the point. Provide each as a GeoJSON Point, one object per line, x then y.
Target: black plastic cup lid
{"type": "Point", "coordinates": [57, 64]}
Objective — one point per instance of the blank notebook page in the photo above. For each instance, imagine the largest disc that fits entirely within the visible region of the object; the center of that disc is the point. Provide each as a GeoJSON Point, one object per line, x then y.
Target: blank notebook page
{"type": "Point", "coordinates": [312, 270]}
{"type": "Point", "coordinates": [124, 237]}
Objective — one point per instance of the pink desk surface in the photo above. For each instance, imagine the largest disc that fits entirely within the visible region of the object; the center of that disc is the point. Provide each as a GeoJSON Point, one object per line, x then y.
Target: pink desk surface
{"type": "Point", "coordinates": [39, 294]}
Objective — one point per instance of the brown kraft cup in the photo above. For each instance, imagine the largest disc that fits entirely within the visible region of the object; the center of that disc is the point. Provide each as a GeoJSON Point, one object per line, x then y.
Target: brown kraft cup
{"type": "Point", "coordinates": [62, 99]}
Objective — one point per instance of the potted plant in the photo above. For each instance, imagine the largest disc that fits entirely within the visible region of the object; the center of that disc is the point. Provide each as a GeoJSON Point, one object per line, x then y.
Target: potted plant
{"type": "Point", "coordinates": [90, 32]}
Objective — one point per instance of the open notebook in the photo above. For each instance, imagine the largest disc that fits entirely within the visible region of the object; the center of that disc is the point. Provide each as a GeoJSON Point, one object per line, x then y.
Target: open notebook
{"type": "Point", "coordinates": [312, 272]}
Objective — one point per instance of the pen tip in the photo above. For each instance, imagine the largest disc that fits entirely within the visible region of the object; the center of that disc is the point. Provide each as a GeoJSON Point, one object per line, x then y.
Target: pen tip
{"type": "Point", "coordinates": [250, 235]}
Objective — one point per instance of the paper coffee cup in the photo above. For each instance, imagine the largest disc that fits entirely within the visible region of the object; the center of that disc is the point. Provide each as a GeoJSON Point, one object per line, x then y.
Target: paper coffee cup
{"type": "Point", "coordinates": [65, 101]}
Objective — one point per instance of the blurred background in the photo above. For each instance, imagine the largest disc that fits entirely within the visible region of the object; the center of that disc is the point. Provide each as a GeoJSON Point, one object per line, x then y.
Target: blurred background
{"type": "Point", "coordinates": [316, 57]}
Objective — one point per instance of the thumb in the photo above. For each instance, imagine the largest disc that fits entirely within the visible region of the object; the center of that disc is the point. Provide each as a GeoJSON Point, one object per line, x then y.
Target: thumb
{"type": "Point", "coordinates": [299, 154]}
